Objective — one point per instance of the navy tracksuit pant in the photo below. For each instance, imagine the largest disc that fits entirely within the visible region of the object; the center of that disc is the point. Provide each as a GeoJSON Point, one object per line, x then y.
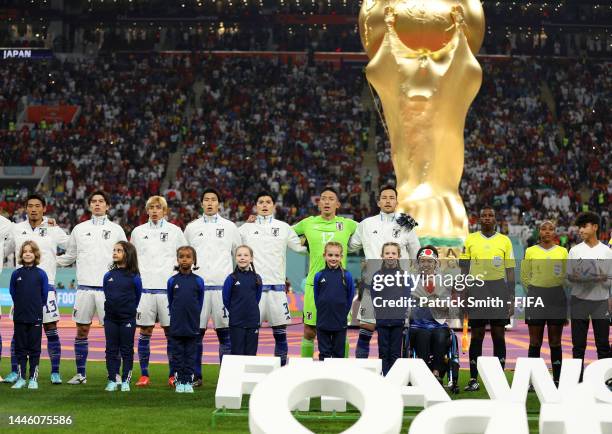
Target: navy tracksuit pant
{"type": "Point", "coordinates": [331, 343]}
{"type": "Point", "coordinates": [389, 345]}
{"type": "Point", "coordinates": [244, 341]}
{"type": "Point", "coordinates": [28, 337]}
{"type": "Point", "coordinates": [184, 349]}
{"type": "Point", "coordinates": [119, 347]}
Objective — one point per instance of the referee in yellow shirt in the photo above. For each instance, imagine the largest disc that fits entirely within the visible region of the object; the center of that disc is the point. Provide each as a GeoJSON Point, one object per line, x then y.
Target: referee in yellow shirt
{"type": "Point", "coordinates": [542, 275]}
{"type": "Point", "coordinates": [487, 255]}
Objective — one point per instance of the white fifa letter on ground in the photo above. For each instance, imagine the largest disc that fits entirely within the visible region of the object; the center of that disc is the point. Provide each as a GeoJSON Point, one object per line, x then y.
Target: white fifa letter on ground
{"type": "Point", "coordinates": [472, 416]}
{"type": "Point", "coordinates": [279, 393]}
{"type": "Point", "coordinates": [527, 371]}
{"type": "Point", "coordinates": [240, 375]}
{"type": "Point", "coordinates": [596, 374]}
{"type": "Point", "coordinates": [578, 413]}
{"type": "Point", "coordinates": [424, 391]}
{"type": "Point", "coordinates": [330, 403]}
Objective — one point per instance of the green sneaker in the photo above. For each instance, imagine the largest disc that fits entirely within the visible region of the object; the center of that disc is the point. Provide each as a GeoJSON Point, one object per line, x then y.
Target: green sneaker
{"type": "Point", "coordinates": [33, 384]}
{"type": "Point", "coordinates": [111, 386]}
{"type": "Point", "coordinates": [188, 388]}
{"type": "Point", "coordinates": [180, 388]}
{"type": "Point", "coordinates": [19, 384]}
{"type": "Point", "coordinates": [125, 386]}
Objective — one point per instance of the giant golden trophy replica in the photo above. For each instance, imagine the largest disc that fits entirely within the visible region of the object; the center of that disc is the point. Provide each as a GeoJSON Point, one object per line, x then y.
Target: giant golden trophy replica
{"type": "Point", "coordinates": [423, 67]}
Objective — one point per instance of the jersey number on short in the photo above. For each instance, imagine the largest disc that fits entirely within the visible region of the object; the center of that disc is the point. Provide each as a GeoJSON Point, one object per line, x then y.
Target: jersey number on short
{"type": "Point", "coordinates": [53, 307]}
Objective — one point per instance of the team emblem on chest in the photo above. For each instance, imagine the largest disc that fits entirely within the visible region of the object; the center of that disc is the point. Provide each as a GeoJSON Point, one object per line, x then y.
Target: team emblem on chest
{"type": "Point", "coordinates": [163, 236]}
{"type": "Point", "coordinates": [339, 226]}
{"type": "Point", "coordinates": [275, 232]}
{"type": "Point", "coordinates": [42, 232]}
{"type": "Point", "coordinates": [396, 232]}
{"type": "Point", "coordinates": [220, 233]}
{"type": "Point", "coordinates": [106, 235]}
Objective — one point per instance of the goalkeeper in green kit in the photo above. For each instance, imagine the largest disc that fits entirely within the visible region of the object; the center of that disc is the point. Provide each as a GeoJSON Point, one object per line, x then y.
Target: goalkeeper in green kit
{"type": "Point", "coordinates": [318, 231]}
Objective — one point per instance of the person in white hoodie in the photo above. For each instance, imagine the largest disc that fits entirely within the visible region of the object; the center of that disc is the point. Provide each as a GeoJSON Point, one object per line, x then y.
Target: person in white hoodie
{"type": "Point", "coordinates": [91, 246]}
{"type": "Point", "coordinates": [156, 243]}
{"type": "Point", "coordinates": [214, 239]}
{"type": "Point", "coordinates": [371, 234]}
{"type": "Point", "coordinates": [269, 239]}
{"type": "Point", "coordinates": [48, 238]}
{"type": "Point", "coordinates": [589, 272]}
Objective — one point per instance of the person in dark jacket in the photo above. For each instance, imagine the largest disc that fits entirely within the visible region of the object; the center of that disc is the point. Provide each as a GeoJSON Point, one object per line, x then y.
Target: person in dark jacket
{"type": "Point", "coordinates": [29, 287]}
{"type": "Point", "coordinates": [122, 290]}
{"type": "Point", "coordinates": [390, 321]}
{"type": "Point", "coordinates": [185, 301]}
{"type": "Point", "coordinates": [333, 294]}
{"type": "Point", "coordinates": [241, 295]}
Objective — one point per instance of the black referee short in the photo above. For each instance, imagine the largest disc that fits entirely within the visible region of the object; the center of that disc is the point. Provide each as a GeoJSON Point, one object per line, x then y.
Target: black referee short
{"type": "Point", "coordinates": [554, 309]}
{"type": "Point", "coordinates": [495, 315]}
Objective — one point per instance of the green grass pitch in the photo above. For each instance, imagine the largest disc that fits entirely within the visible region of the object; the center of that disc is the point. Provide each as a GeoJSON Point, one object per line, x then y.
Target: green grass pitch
{"type": "Point", "coordinates": [156, 409]}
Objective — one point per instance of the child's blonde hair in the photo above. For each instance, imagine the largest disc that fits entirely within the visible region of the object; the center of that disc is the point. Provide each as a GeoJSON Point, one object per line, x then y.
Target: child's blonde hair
{"type": "Point", "coordinates": [35, 250]}
{"type": "Point", "coordinates": [333, 244]}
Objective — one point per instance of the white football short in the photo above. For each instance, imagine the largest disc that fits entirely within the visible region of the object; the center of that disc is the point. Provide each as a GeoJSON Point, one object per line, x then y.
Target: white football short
{"type": "Point", "coordinates": [214, 309]}
{"type": "Point", "coordinates": [274, 308]}
{"type": "Point", "coordinates": [89, 300]}
{"type": "Point", "coordinates": [153, 307]}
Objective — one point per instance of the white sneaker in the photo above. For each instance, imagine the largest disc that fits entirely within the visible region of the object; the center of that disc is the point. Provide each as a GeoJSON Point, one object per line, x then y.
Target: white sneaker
{"type": "Point", "coordinates": [78, 379]}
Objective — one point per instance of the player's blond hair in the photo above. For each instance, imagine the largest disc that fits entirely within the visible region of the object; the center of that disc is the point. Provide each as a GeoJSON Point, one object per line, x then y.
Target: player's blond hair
{"type": "Point", "coordinates": [157, 200]}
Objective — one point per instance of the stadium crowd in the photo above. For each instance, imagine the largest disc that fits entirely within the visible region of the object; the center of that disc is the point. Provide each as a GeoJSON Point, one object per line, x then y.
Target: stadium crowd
{"type": "Point", "coordinates": [300, 132]}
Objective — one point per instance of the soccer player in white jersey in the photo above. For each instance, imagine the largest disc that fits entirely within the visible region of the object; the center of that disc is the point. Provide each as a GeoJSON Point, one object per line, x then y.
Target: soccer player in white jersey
{"type": "Point", "coordinates": [5, 228]}
{"type": "Point", "coordinates": [156, 243]}
{"type": "Point", "coordinates": [91, 246]}
{"type": "Point", "coordinates": [48, 238]}
{"type": "Point", "coordinates": [371, 234]}
{"type": "Point", "coordinates": [214, 239]}
{"type": "Point", "coordinates": [269, 239]}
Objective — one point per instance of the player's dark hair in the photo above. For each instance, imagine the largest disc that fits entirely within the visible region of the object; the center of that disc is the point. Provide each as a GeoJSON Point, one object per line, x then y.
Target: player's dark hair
{"type": "Point", "coordinates": [130, 260]}
{"type": "Point", "coordinates": [387, 187]}
{"type": "Point", "coordinates": [265, 194]}
{"type": "Point", "coordinates": [36, 196]}
{"type": "Point", "coordinates": [588, 217]}
{"type": "Point", "coordinates": [213, 191]}
{"type": "Point", "coordinates": [332, 189]}
{"type": "Point", "coordinates": [99, 193]}
{"type": "Point", "coordinates": [193, 253]}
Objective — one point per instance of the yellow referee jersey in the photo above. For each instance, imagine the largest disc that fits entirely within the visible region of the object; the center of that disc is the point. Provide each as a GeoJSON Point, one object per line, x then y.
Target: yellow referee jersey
{"type": "Point", "coordinates": [488, 256]}
{"type": "Point", "coordinates": [544, 267]}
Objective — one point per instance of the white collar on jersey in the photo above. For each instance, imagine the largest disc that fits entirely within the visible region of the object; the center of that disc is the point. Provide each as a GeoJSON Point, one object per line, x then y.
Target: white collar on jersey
{"type": "Point", "coordinates": [42, 224]}
{"type": "Point", "coordinates": [385, 217]}
{"type": "Point", "coordinates": [157, 225]}
{"type": "Point", "coordinates": [211, 218]}
{"type": "Point", "coordinates": [265, 219]}
{"type": "Point", "coordinates": [98, 220]}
